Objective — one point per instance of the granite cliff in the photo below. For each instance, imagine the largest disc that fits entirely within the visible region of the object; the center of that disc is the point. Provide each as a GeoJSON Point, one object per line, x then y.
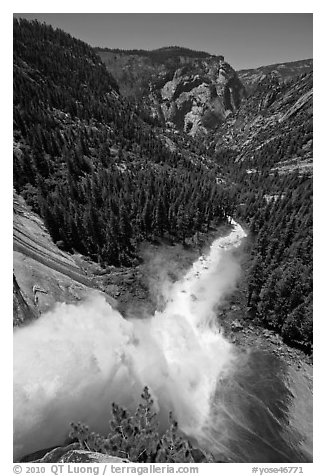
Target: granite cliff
{"type": "Point", "coordinates": [191, 91]}
{"type": "Point", "coordinates": [44, 274]}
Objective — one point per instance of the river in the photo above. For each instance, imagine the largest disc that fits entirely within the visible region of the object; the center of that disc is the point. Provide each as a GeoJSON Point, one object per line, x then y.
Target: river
{"type": "Point", "coordinates": [243, 406]}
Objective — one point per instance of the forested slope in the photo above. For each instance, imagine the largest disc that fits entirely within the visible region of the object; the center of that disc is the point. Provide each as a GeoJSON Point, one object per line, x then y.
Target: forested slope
{"type": "Point", "coordinates": [266, 149]}
{"type": "Point", "coordinates": [104, 177]}
{"type": "Point", "coordinates": [91, 163]}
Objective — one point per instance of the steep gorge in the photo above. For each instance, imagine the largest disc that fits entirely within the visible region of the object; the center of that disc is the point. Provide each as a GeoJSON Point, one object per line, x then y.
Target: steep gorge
{"type": "Point", "coordinates": [108, 172]}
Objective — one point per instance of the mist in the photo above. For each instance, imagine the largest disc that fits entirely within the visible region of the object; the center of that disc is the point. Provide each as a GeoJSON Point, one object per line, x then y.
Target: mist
{"type": "Point", "coordinates": [73, 362]}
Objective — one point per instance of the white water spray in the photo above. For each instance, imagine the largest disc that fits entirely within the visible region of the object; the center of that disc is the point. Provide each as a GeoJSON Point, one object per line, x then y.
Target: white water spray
{"type": "Point", "coordinates": [73, 362]}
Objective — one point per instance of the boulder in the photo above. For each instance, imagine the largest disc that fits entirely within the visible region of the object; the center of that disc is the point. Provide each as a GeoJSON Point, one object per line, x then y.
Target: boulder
{"type": "Point", "coordinates": [236, 325]}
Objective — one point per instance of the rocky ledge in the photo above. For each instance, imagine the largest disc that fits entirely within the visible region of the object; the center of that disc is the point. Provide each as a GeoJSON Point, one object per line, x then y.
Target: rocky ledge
{"type": "Point", "coordinates": [73, 454]}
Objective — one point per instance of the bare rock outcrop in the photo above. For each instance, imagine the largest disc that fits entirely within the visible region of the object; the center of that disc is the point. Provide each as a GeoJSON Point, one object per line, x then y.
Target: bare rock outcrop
{"type": "Point", "coordinates": [73, 454]}
{"type": "Point", "coordinates": [22, 311]}
{"type": "Point", "coordinates": [43, 274]}
{"type": "Point", "coordinates": [184, 89]}
{"type": "Point", "coordinates": [200, 97]}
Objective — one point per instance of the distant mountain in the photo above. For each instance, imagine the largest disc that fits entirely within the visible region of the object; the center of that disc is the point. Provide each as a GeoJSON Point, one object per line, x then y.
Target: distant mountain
{"type": "Point", "coordinates": [284, 71]}
{"type": "Point", "coordinates": [273, 128]}
{"type": "Point", "coordinates": [189, 90]}
{"type": "Point", "coordinates": [135, 70]}
{"type": "Point", "coordinates": [192, 91]}
{"type": "Point", "coordinates": [166, 54]}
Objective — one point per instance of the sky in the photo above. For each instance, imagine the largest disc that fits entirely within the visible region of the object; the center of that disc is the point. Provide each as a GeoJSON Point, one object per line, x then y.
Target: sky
{"type": "Point", "coordinates": [246, 40]}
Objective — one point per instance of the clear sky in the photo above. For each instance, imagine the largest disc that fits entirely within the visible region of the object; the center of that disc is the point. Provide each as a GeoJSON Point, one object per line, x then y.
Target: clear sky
{"type": "Point", "coordinates": [246, 40]}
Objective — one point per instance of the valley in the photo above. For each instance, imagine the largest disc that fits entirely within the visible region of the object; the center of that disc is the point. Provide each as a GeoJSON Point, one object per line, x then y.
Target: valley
{"type": "Point", "coordinates": [162, 238]}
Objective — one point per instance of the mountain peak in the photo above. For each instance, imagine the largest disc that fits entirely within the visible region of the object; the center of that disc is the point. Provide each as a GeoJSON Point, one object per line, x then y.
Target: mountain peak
{"type": "Point", "coordinates": [190, 90]}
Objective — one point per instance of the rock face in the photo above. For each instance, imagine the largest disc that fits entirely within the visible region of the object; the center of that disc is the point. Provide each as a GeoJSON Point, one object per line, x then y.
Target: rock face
{"type": "Point", "coordinates": [21, 310]}
{"type": "Point", "coordinates": [43, 274]}
{"type": "Point", "coordinates": [189, 92]}
{"type": "Point", "coordinates": [201, 97]}
{"type": "Point", "coordinates": [285, 71]}
{"type": "Point", "coordinates": [273, 125]}
{"type": "Point", "coordinates": [73, 454]}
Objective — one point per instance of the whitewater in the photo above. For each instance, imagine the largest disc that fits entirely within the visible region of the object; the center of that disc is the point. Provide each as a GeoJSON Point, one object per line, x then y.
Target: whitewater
{"type": "Point", "coordinates": [74, 361]}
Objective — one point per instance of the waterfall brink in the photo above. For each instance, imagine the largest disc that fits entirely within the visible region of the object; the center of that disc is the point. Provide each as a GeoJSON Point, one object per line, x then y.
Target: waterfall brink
{"type": "Point", "coordinates": [74, 361]}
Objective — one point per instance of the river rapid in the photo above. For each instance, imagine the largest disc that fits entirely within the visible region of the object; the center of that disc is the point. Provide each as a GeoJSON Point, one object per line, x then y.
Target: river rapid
{"type": "Point", "coordinates": [242, 406]}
